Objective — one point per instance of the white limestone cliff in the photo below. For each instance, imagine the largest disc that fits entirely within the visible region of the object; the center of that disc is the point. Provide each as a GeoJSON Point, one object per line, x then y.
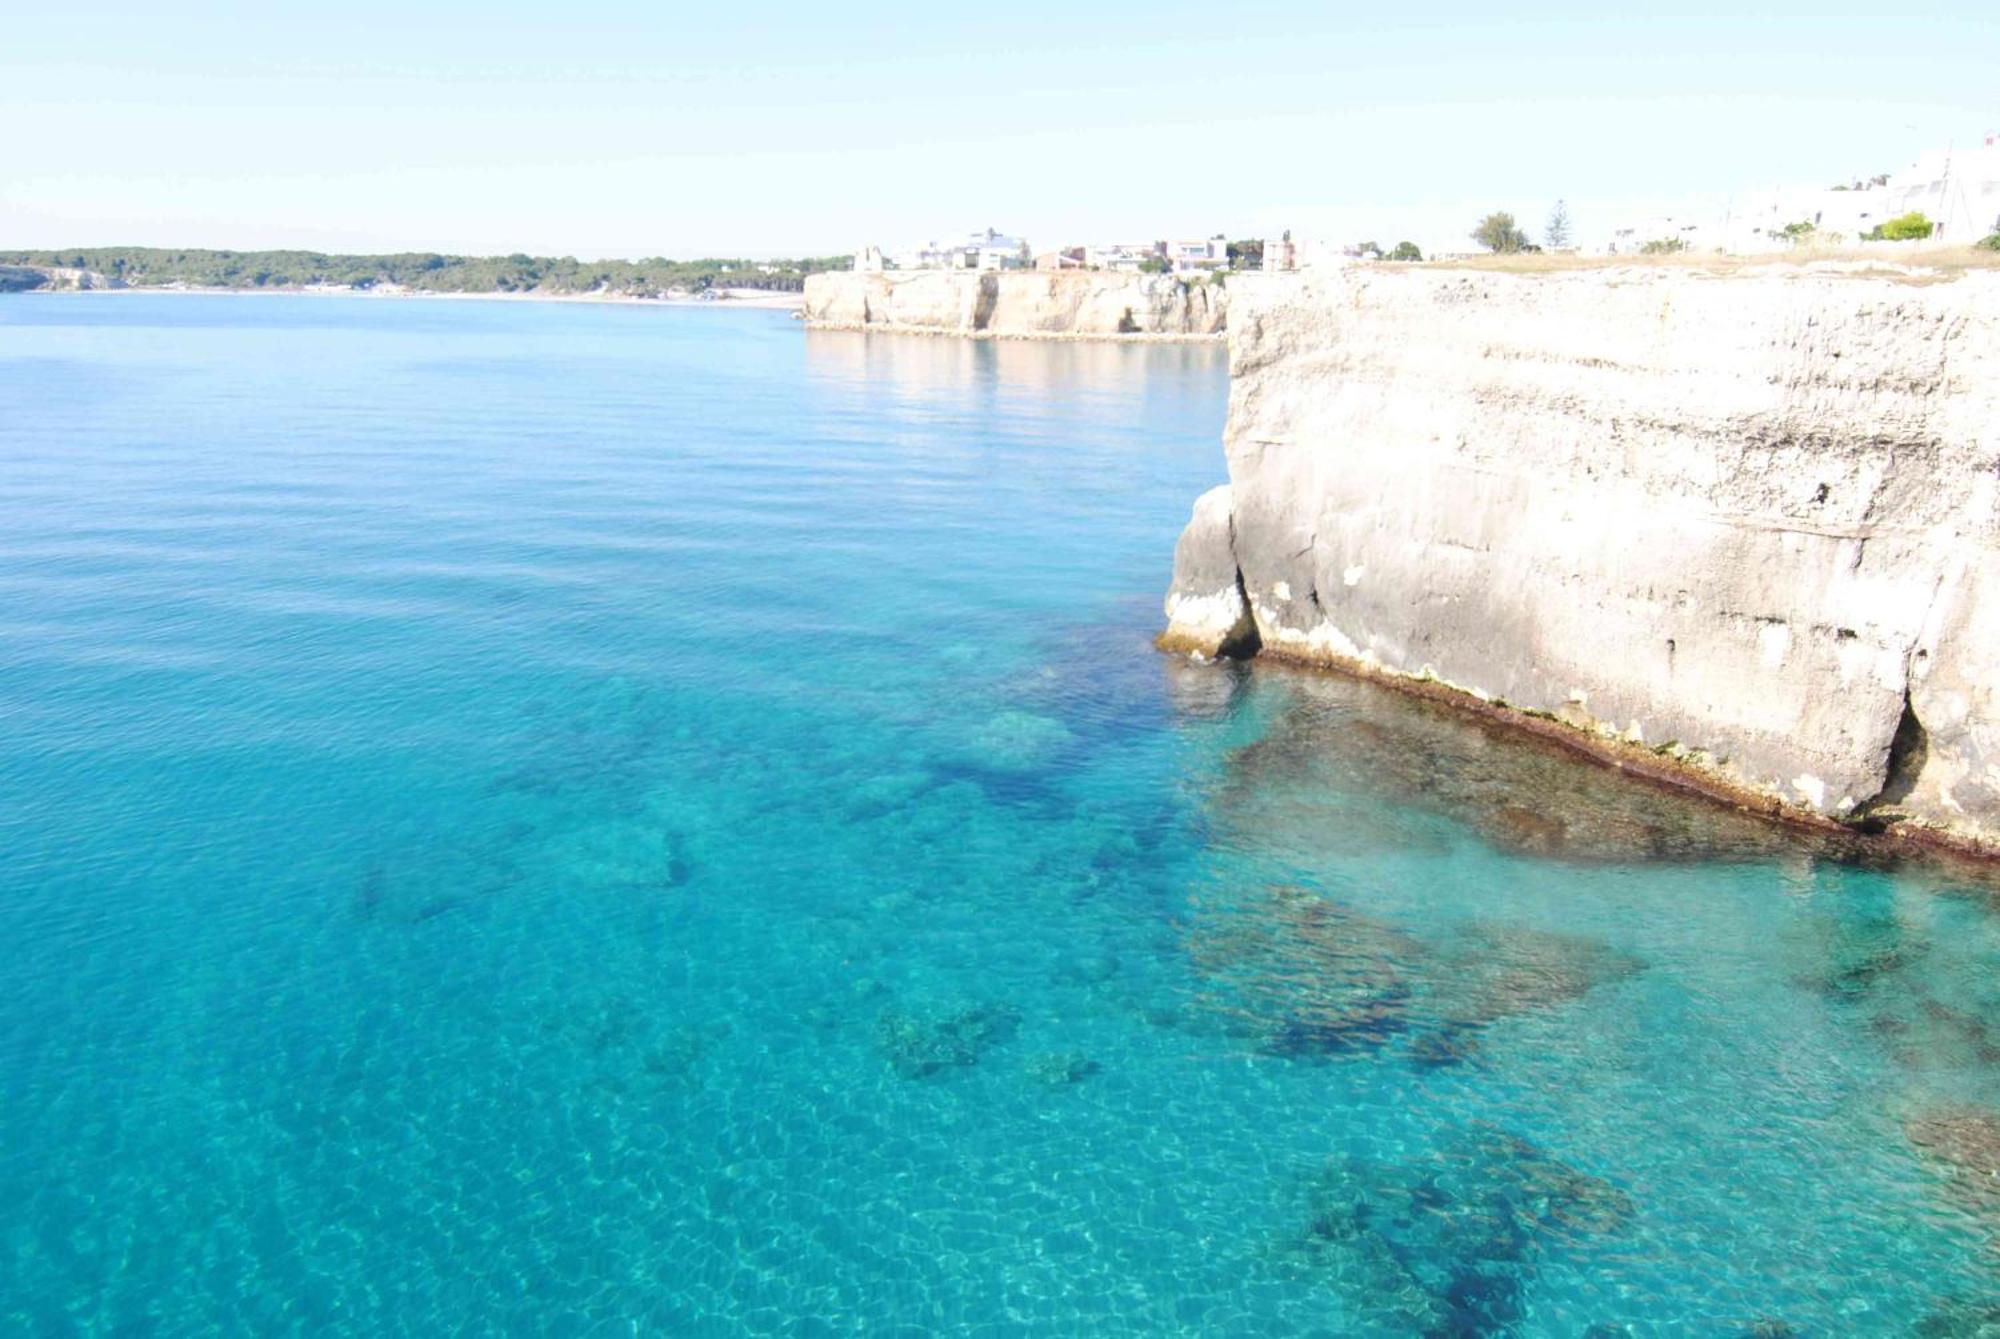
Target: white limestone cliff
{"type": "Point", "coordinates": [1752, 521]}
{"type": "Point", "coordinates": [1020, 304]}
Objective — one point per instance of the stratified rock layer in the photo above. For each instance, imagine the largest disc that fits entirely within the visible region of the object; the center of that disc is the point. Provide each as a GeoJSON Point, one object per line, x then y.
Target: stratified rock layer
{"type": "Point", "coordinates": [1750, 520]}
{"type": "Point", "coordinates": [1017, 304]}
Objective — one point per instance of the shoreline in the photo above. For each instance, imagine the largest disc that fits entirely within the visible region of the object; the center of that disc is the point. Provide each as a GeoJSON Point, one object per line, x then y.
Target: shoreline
{"type": "Point", "coordinates": [757, 298]}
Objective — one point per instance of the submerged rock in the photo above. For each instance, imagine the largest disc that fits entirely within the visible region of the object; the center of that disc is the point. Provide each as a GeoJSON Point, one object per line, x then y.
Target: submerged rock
{"type": "Point", "coordinates": [1059, 1069]}
{"type": "Point", "coordinates": [1359, 1030]}
{"type": "Point", "coordinates": [1502, 971]}
{"type": "Point", "coordinates": [1558, 1197]}
{"type": "Point", "coordinates": [1963, 1142]}
{"type": "Point", "coordinates": [1961, 1318]}
{"type": "Point", "coordinates": [1848, 952]}
{"type": "Point", "coordinates": [1085, 969]}
{"type": "Point", "coordinates": [613, 854]}
{"type": "Point", "coordinates": [1852, 979]}
{"type": "Point", "coordinates": [1447, 1244]}
{"type": "Point", "coordinates": [1017, 741]}
{"type": "Point", "coordinates": [1445, 1046]}
{"type": "Point", "coordinates": [918, 1046]}
{"type": "Point", "coordinates": [1531, 831]}
{"type": "Point", "coordinates": [675, 1054]}
{"type": "Point", "coordinates": [1296, 785]}
{"type": "Point", "coordinates": [1305, 976]}
{"type": "Point", "coordinates": [1922, 1032]}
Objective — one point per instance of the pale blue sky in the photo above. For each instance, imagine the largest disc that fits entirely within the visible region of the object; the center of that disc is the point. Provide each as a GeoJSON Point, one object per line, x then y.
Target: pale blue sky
{"type": "Point", "coordinates": [599, 128]}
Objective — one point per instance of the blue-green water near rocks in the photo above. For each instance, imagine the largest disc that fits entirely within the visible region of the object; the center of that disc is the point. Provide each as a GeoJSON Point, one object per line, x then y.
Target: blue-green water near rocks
{"type": "Point", "coordinates": [602, 820]}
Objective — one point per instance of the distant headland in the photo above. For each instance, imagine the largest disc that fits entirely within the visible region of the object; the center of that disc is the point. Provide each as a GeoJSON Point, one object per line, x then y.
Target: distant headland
{"type": "Point", "coordinates": [429, 273]}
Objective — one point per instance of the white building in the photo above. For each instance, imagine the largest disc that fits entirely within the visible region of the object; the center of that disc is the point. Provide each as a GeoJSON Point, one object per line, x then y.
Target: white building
{"type": "Point", "coordinates": [987, 250]}
{"type": "Point", "coordinates": [1210, 253]}
{"type": "Point", "coordinates": [1957, 189]}
{"type": "Point", "coordinates": [1312, 253]}
{"type": "Point", "coordinates": [1127, 256]}
{"type": "Point", "coordinates": [921, 256]}
{"type": "Point", "coordinates": [993, 251]}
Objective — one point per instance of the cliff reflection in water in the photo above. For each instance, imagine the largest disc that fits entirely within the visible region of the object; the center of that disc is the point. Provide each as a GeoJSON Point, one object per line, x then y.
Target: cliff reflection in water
{"type": "Point", "coordinates": [944, 366]}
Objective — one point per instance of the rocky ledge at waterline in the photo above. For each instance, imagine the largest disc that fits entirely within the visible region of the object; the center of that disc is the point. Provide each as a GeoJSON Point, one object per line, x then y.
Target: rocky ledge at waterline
{"type": "Point", "coordinates": [1021, 304]}
{"type": "Point", "coordinates": [1747, 523]}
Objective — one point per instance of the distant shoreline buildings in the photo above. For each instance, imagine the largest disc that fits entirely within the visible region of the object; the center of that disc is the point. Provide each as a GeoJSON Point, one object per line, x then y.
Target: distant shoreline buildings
{"type": "Point", "coordinates": [991, 250]}
{"type": "Point", "coordinates": [1957, 190]}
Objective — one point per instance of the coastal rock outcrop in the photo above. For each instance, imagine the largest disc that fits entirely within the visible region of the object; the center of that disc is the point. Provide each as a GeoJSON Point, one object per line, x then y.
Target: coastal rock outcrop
{"type": "Point", "coordinates": [1020, 304]}
{"type": "Point", "coordinates": [53, 278]}
{"type": "Point", "coordinates": [1207, 614]}
{"type": "Point", "coordinates": [1751, 521]}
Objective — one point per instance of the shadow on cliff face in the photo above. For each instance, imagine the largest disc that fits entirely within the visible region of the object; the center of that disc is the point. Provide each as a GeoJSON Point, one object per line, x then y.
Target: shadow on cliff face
{"type": "Point", "coordinates": [1341, 756]}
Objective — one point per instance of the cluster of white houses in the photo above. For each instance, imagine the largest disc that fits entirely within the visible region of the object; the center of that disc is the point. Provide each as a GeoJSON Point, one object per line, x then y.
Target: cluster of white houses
{"type": "Point", "coordinates": [992, 250]}
{"type": "Point", "coordinates": [1956, 189]}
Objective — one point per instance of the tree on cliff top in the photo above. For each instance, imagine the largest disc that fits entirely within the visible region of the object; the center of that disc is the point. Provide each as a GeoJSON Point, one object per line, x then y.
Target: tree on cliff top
{"type": "Point", "coordinates": [1497, 233]}
{"type": "Point", "coordinates": [1556, 235]}
{"type": "Point", "coordinates": [1910, 227]}
{"type": "Point", "coordinates": [1406, 251]}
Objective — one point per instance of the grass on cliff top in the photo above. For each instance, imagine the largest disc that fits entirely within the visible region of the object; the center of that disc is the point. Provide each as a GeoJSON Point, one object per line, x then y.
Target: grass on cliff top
{"type": "Point", "coordinates": [1912, 262]}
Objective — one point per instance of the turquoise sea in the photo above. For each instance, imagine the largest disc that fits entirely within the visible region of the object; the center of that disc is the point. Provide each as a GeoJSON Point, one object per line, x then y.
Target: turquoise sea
{"type": "Point", "coordinates": [602, 820]}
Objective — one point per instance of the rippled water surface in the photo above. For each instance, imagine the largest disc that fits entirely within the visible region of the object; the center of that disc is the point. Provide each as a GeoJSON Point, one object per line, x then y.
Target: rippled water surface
{"type": "Point", "coordinates": [599, 820]}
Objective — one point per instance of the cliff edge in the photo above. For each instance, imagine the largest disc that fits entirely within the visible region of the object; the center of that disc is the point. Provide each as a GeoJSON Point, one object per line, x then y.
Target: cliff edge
{"type": "Point", "coordinates": [1018, 304]}
{"type": "Point", "coordinates": [1751, 523]}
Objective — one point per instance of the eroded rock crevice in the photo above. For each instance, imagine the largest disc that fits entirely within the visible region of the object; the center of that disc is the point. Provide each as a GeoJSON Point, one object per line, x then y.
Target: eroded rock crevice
{"type": "Point", "coordinates": [1242, 641]}
{"type": "Point", "coordinates": [1909, 750]}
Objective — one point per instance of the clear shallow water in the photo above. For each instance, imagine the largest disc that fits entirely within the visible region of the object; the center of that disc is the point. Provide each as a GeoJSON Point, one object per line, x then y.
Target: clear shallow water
{"type": "Point", "coordinates": [597, 820]}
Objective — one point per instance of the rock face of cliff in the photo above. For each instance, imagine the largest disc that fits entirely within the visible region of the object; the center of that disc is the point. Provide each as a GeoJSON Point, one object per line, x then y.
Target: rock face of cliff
{"type": "Point", "coordinates": [56, 278]}
{"type": "Point", "coordinates": [1018, 304]}
{"type": "Point", "coordinates": [1753, 521]}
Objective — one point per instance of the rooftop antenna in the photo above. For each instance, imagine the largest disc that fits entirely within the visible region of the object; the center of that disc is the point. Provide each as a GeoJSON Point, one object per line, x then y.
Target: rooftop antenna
{"type": "Point", "coordinates": [1944, 191]}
